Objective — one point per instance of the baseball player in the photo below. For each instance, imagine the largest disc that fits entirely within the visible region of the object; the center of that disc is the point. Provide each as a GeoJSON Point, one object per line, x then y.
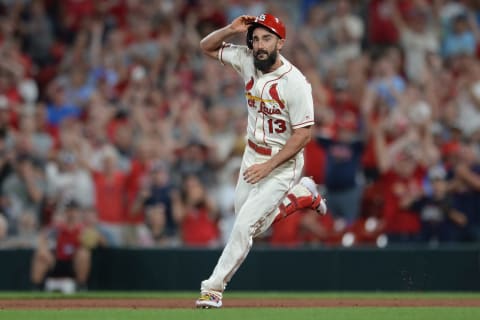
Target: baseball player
{"type": "Point", "coordinates": [280, 118]}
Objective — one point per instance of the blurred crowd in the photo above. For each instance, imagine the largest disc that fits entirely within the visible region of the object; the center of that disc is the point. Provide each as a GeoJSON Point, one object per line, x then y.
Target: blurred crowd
{"type": "Point", "coordinates": [109, 106]}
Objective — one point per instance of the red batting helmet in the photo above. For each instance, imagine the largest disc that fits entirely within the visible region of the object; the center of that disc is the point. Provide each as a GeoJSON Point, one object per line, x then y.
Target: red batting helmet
{"type": "Point", "coordinates": [269, 22]}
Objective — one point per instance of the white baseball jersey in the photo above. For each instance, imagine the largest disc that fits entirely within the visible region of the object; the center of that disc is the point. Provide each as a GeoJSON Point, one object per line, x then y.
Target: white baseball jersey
{"type": "Point", "coordinates": [278, 101]}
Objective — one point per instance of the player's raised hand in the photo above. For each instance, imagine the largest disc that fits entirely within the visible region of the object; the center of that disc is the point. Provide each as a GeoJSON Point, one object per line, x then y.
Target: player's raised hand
{"type": "Point", "coordinates": [242, 23]}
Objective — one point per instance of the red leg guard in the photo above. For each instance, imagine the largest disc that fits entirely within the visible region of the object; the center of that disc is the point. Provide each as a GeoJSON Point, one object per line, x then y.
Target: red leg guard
{"type": "Point", "coordinates": [286, 210]}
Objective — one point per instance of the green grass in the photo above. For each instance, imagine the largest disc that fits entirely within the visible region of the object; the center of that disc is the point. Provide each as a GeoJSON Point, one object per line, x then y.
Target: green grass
{"type": "Point", "coordinates": [330, 313]}
{"type": "Point", "coordinates": [244, 313]}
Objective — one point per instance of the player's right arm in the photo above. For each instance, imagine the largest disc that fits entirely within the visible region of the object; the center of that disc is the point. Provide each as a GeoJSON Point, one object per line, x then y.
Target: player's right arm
{"type": "Point", "coordinates": [213, 41]}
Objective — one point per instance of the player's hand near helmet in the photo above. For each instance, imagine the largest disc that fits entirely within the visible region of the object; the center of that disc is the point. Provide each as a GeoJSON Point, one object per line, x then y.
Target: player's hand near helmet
{"type": "Point", "coordinates": [213, 41]}
{"type": "Point", "coordinates": [241, 24]}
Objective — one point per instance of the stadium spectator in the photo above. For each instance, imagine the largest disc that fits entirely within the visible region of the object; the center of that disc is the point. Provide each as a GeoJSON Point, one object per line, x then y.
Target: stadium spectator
{"type": "Point", "coordinates": [386, 83]}
{"type": "Point", "coordinates": [156, 190]}
{"type": "Point", "coordinates": [31, 137]}
{"type": "Point", "coordinates": [194, 160]}
{"type": "Point", "coordinates": [419, 34]}
{"type": "Point", "coordinates": [67, 180]}
{"type": "Point", "coordinates": [59, 108]}
{"type": "Point", "coordinates": [459, 37]}
{"type": "Point", "coordinates": [466, 188]}
{"type": "Point", "coordinates": [110, 197]}
{"type": "Point", "coordinates": [402, 163]}
{"type": "Point", "coordinates": [198, 215]}
{"type": "Point", "coordinates": [25, 234]}
{"type": "Point", "coordinates": [381, 29]}
{"type": "Point", "coordinates": [23, 189]}
{"type": "Point", "coordinates": [435, 207]}
{"type": "Point", "coordinates": [38, 32]}
{"type": "Point", "coordinates": [68, 258]}
{"type": "Point", "coordinates": [155, 233]}
{"type": "Point", "coordinates": [346, 32]}
{"type": "Point", "coordinates": [315, 36]}
{"type": "Point", "coordinates": [342, 176]}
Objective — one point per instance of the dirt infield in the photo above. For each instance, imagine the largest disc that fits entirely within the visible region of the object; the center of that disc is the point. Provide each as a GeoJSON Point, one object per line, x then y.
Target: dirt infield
{"type": "Point", "coordinates": [162, 303]}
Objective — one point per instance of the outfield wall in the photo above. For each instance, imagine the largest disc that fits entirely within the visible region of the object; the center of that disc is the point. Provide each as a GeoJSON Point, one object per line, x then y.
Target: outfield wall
{"type": "Point", "coordinates": [393, 269]}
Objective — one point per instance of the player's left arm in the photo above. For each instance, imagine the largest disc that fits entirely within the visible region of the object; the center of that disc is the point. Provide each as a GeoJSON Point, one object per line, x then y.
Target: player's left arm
{"type": "Point", "coordinates": [297, 141]}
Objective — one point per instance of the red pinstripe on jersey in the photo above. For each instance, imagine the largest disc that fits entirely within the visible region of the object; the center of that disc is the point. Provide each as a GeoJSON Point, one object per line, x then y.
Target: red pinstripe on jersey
{"type": "Point", "coordinates": [302, 124]}
{"type": "Point", "coordinates": [220, 52]}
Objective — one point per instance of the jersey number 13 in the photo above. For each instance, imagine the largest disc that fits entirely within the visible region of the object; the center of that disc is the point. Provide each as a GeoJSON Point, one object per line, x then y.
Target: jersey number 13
{"type": "Point", "coordinates": [276, 125]}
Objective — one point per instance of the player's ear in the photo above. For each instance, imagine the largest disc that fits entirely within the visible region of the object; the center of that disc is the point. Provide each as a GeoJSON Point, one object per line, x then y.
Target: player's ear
{"type": "Point", "coordinates": [280, 43]}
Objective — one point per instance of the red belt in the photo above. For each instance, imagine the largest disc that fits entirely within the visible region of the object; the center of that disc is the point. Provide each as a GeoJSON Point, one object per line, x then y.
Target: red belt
{"type": "Point", "coordinates": [259, 149]}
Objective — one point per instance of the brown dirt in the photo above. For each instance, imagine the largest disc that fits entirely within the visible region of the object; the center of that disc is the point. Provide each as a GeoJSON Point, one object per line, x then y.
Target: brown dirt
{"type": "Point", "coordinates": [66, 303]}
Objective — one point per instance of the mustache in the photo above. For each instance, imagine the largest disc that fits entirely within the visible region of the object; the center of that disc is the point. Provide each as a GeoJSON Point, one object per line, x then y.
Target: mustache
{"type": "Point", "coordinates": [260, 52]}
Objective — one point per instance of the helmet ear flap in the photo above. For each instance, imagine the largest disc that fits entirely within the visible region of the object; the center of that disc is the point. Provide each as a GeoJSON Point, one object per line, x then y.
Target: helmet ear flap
{"type": "Point", "coordinates": [250, 37]}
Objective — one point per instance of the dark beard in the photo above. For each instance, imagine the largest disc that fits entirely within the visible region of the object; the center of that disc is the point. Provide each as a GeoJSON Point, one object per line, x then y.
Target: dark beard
{"type": "Point", "coordinates": [265, 65]}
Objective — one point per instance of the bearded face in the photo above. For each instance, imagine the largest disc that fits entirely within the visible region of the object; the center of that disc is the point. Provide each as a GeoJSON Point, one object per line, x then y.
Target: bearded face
{"type": "Point", "coordinates": [263, 60]}
{"type": "Point", "coordinates": [265, 49]}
